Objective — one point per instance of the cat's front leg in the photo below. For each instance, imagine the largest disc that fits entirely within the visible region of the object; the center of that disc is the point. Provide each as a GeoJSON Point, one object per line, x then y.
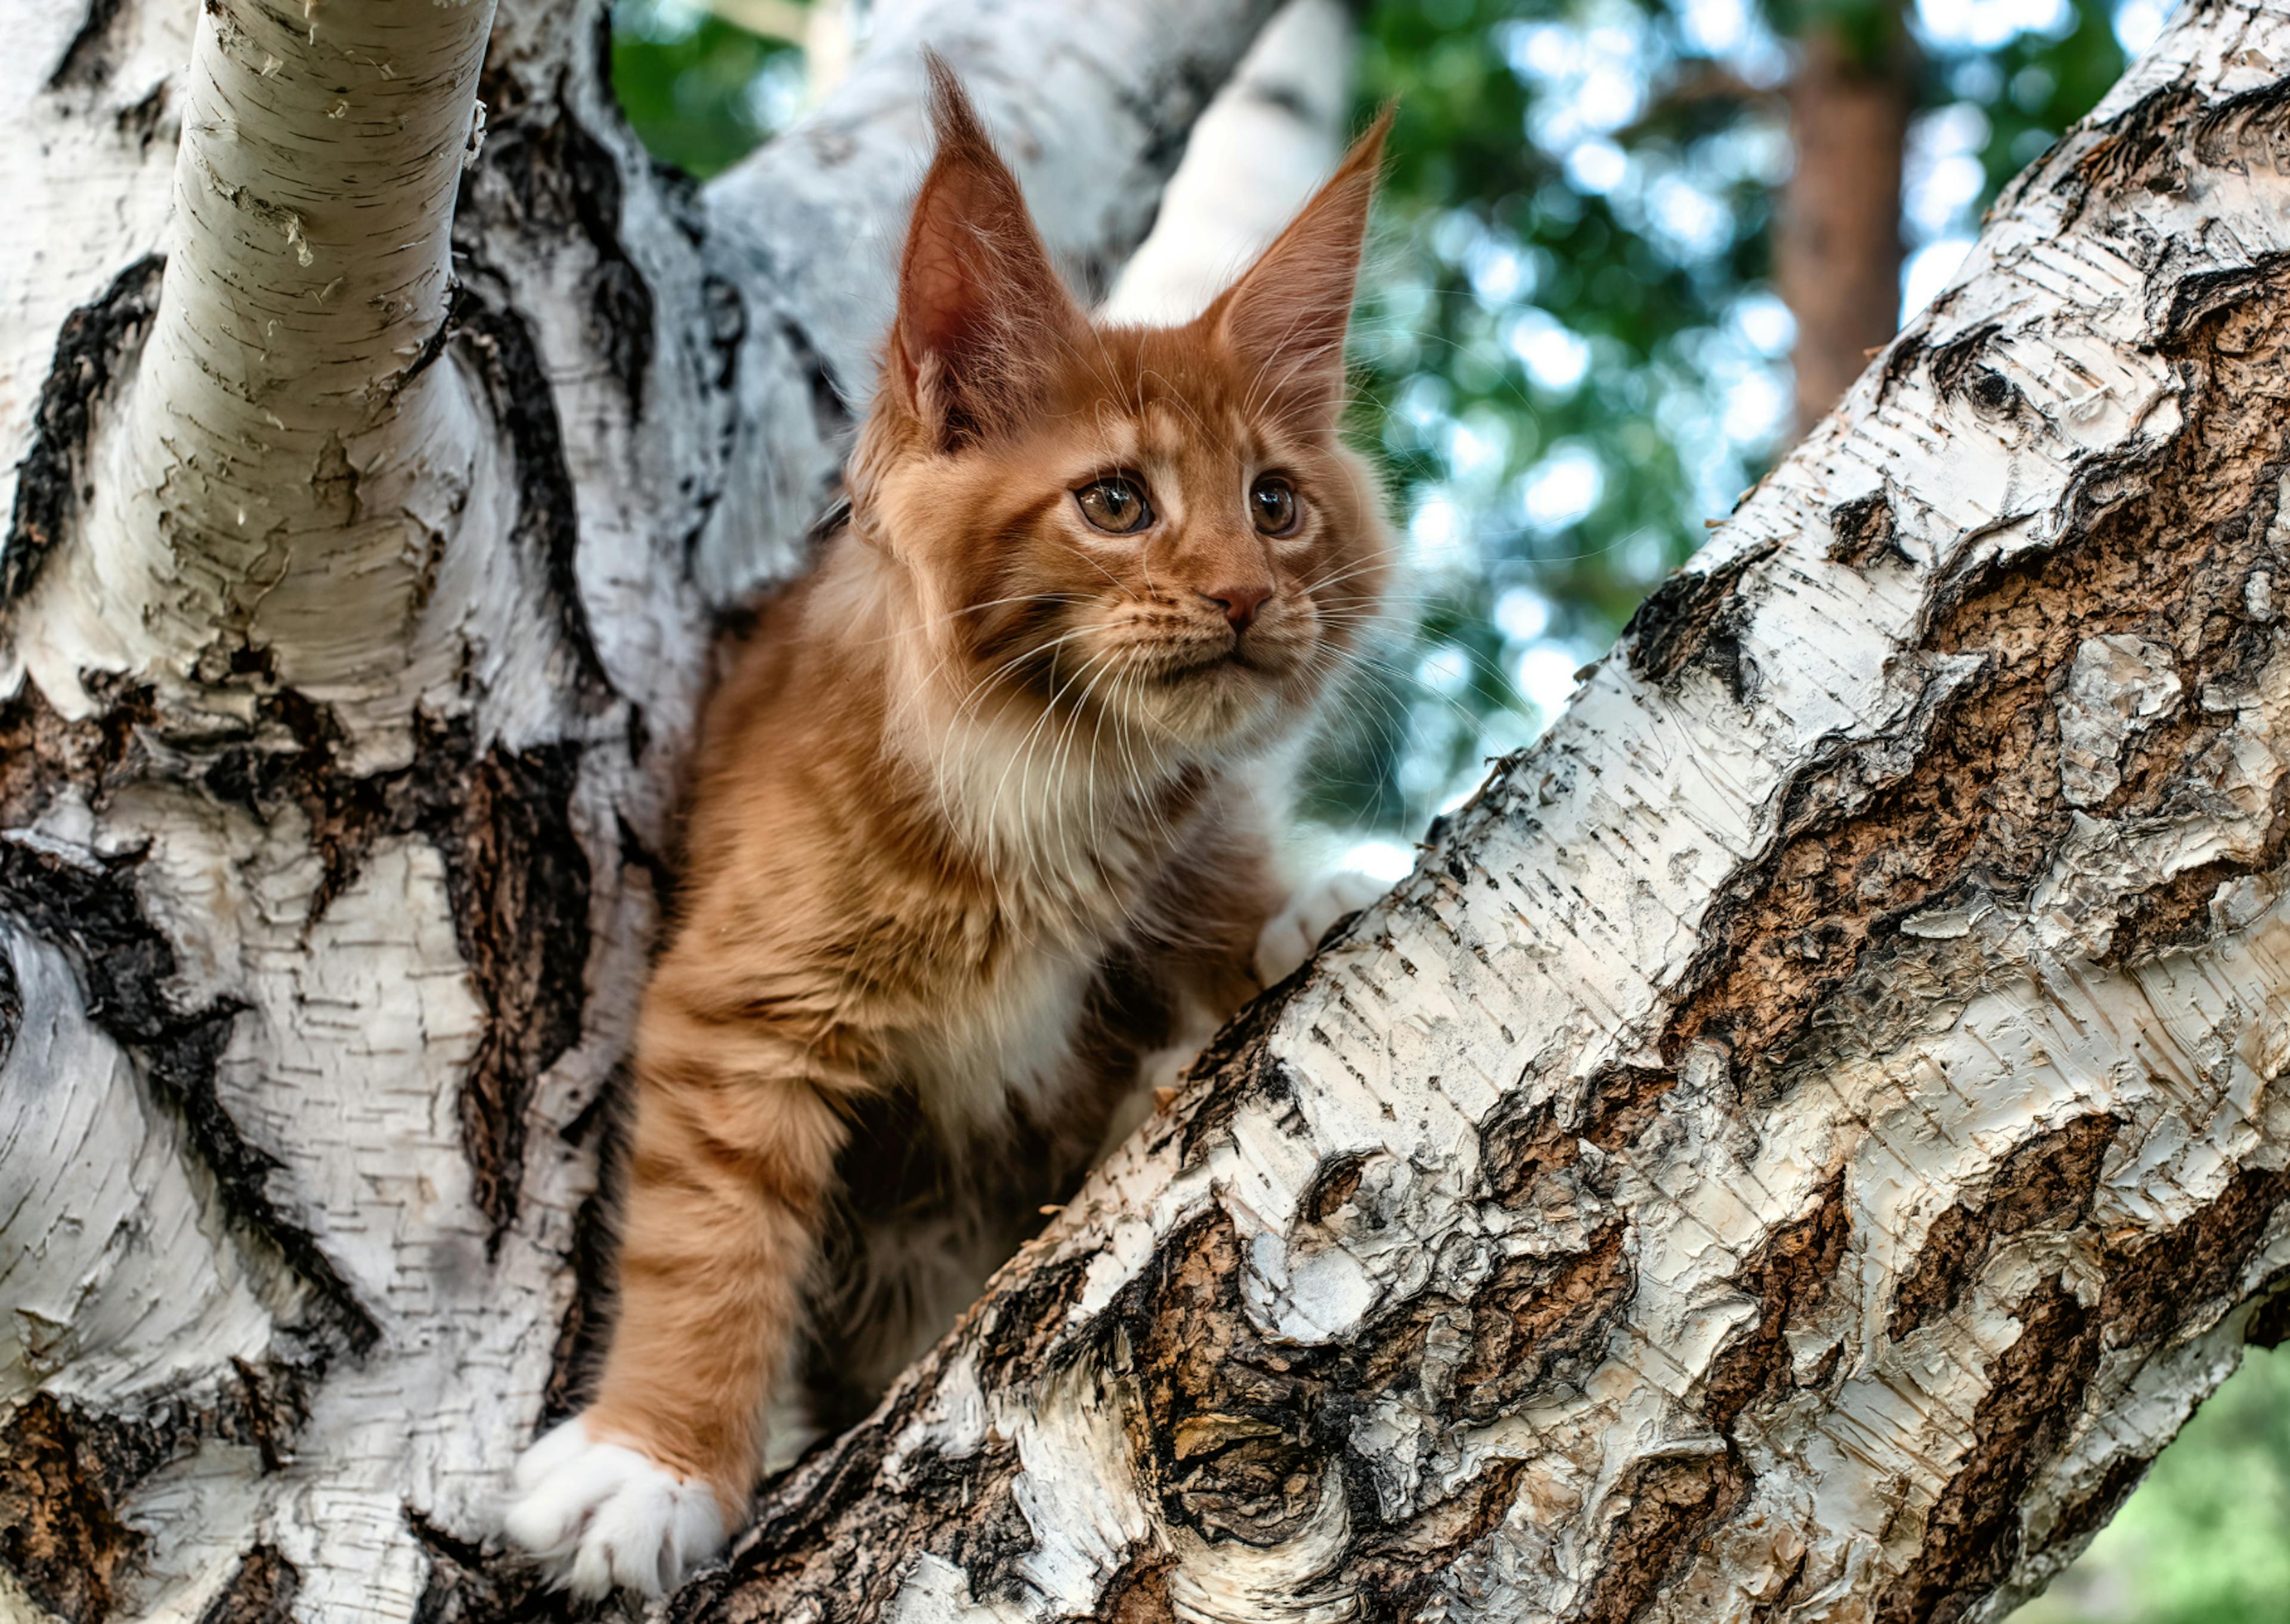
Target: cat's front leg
{"type": "Point", "coordinates": [1293, 935]}
{"type": "Point", "coordinates": [730, 1159]}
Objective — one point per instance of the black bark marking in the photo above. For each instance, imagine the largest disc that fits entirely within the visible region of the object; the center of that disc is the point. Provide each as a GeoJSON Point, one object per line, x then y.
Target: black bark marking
{"type": "Point", "coordinates": [59, 1534]}
{"type": "Point", "coordinates": [2194, 1268]}
{"type": "Point", "coordinates": [2096, 1509]}
{"type": "Point", "coordinates": [2144, 148]}
{"type": "Point", "coordinates": [93, 341]}
{"type": "Point", "coordinates": [466, 1586]}
{"type": "Point", "coordinates": [2048, 1179]}
{"type": "Point", "coordinates": [2200, 295]}
{"type": "Point", "coordinates": [125, 965]}
{"type": "Point", "coordinates": [1865, 532]}
{"type": "Point", "coordinates": [1395, 1577]}
{"type": "Point", "coordinates": [1971, 1534]}
{"type": "Point", "coordinates": [1960, 371]}
{"type": "Point", "coordinates": [1139, 1593]}
{"type": "Point", "coordinates": [519, 880]}
{"type": "Point", "coordinates": [1901, 358]}
{"type": "Point", "coordinates": [958, 1508]}
{"type": "Point", "coordinates": [1695, 617]}
{"type": "Point", "coordinates": [585, 1332]}
{"type": "Point", "coordinates": [1665, 1506]}
{"type": "Point", "coordinates": [65, 1470]}
{"type": "Point", "coordinates": [12, 1009]}
{"type": "Point", "coordinates": [563, 182]}
{"type": "Point", "coordinates": [1542, 1322]}
{"type": "Point", "coordinates": [2269, 1326]}
{"type": "Point", "coordinates": [726, 310]}
{"type": "Point", "coordinates": [829, 411]}
{"type": "Point", "coordinates": [1336, 1182]}
{"type": "Point", "coordinates": [1519, 1143]}
{"type": "Point", "coordinates": [262, 1591]}
{"type": "Point", "coordinates": [1230, 1421]}
{"type": "Point", "coordinates": [502, 354]}
{"type": "Point", "coordinates": [87, 61]}
{"type": "Point", "coordinates": [1788, 1276]}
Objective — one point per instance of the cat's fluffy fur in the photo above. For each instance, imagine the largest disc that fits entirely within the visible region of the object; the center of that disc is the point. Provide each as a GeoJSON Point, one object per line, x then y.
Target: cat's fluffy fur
{"type": "Point", "coordinates": [980, 824]}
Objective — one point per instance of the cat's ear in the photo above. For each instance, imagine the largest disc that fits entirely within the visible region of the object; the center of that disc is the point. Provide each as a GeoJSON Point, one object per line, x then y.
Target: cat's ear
{"type": "Point", "coordinates": [982, 314]}
{"type": "Point", "coordinates": [1286, 315]}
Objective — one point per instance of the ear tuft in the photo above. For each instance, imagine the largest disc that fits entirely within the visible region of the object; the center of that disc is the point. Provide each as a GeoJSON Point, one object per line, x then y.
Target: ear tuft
{"type": "Point", "coordinates": [982, 312]}
{"type": "Point", "coordinates": [1288, 313]}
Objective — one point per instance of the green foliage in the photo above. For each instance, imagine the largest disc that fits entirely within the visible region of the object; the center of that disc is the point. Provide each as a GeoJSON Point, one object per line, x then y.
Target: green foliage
{"type": "Point", "coordinates": [701, 92]}
{"type": "Point", "coordinates": [1569, 352]}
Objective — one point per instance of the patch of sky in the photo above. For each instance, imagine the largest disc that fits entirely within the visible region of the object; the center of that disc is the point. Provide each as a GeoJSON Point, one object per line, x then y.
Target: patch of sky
{"type": "Point", "coordinates": [2139, 23]}
{"type": "Point", "coordinates": [1562, 489]}
{"type": "Point", "coordinates": [1984, 25]}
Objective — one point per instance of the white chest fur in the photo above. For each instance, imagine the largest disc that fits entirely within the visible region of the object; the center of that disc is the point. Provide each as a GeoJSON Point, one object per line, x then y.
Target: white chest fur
{"type": "Point", "coordinates": [1006, 1045]}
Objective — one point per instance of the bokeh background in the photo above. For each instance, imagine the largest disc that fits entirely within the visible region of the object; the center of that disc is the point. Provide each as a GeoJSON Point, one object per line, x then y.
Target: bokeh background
{"type": "Point", "coordinates": [1627, 250]}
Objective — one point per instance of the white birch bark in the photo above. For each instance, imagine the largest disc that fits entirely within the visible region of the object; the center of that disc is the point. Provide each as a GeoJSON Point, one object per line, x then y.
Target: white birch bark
{"type": "Point", "coordinates": [1270, 137]}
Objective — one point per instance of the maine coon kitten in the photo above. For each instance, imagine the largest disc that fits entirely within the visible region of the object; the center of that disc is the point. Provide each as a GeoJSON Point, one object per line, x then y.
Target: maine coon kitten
{"type": "Point", "coordinates": [980, 828]}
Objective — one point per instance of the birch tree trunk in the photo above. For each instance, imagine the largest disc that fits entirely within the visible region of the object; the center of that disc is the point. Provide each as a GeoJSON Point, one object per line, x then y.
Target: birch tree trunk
{"type": "Point", "coordinates": [1802, 1138]}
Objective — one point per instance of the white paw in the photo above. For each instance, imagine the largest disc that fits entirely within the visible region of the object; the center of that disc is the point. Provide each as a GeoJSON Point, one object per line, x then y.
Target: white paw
{"type": "Point", "coordinates": [599, 1515]}
{"type": "Point", "coordinates": [1290, 936]}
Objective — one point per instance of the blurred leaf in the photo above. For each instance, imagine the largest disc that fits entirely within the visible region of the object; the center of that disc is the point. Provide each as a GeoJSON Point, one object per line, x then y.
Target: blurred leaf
{"type": "Point", "coordinates": [701, 92]}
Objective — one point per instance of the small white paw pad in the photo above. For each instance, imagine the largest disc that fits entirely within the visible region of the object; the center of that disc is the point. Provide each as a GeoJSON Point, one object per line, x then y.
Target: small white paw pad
{"type": "Point", "coordinates": [1290, 936]}
{"type": "Point", "coordinates": [599, 1515]}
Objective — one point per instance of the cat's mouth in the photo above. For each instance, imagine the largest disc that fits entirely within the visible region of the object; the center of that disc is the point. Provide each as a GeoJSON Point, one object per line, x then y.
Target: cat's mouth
{"type": "Point", "coordinates": [1212, 664]}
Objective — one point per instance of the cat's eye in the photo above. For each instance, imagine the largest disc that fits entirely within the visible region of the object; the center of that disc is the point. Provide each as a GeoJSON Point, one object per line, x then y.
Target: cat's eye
{"type": "Point", "coordinates": [1272, 502]}
{"type": "Point", "coordinates": [1115, 505]}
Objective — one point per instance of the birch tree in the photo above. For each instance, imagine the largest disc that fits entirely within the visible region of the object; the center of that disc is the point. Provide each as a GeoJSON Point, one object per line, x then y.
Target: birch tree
{"type": "Point", "coordinates": [1805, 1135]}
{"type": "Point", "coordinates": [387, 437]}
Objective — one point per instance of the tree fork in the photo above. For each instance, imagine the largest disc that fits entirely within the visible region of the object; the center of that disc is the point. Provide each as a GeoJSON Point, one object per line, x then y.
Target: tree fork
{"type": "Point", "coordinates": [328, 829]}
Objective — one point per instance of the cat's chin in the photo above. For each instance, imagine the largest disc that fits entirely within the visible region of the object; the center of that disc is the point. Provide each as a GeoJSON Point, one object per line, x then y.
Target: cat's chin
{"type": "Point", "coordinates": [1221, 707]}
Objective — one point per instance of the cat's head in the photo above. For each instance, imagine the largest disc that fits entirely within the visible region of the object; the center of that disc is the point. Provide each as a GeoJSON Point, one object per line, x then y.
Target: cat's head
{"type": "Point", "coordinates": [1154, 528]}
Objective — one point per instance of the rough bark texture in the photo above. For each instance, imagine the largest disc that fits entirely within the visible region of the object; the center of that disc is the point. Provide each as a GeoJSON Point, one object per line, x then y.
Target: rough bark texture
{"type": "Point", "coordinates": [1836, 238]}
{"type": "Point", "coordinates": [1802, 1139]}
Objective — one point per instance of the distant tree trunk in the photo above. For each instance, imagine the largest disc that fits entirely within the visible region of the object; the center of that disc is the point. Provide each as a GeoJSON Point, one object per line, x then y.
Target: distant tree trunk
{"type": "Point", "coordinates": [1837, 241]}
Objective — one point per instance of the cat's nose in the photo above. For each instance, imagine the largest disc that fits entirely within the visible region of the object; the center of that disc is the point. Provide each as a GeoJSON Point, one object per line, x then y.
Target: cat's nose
{"type": "Point", "coordinates": [1239, 602]}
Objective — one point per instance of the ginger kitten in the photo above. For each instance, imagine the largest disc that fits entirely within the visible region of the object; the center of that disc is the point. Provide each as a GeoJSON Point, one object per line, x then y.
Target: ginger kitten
{"type": "Point", "coordinates": [980, 828]}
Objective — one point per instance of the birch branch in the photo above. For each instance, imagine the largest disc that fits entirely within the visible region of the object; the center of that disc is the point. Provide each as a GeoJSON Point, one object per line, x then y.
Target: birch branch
{"type": "Point", "coordinates": [279, 485]}
{"type": "Point", "coordinates": [1271, 135]}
